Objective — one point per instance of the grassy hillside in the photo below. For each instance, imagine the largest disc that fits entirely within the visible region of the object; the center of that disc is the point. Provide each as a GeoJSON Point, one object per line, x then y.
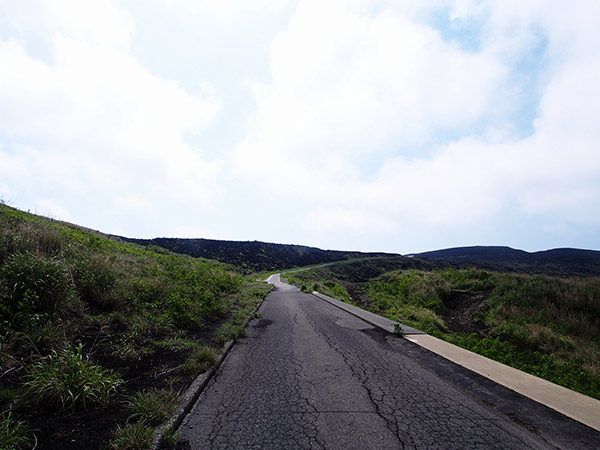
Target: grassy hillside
{"type": "Point", "coordinates": [98, 337]}
{"type": "Point", "coordinates": [547, 326]}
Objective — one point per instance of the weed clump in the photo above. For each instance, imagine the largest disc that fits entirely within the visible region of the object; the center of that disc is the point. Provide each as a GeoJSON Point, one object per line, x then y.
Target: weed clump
{"type": "Point", "coordinates": [33, 286]}
{"type": "Point", "coordinates": [68, 380]}
{"type": "Point", "coordinates": [133, 436]}
{"type": "Point", "coordinates": [153, 407]}
{"type": "Point", "coordinates": [201, 359]}
{"type": "Point", "coordinates": [15, 434]}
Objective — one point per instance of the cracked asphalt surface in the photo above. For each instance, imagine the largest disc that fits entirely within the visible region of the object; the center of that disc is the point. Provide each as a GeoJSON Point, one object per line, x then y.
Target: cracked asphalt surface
{"type": "Point", "coordinates": [311, 376]}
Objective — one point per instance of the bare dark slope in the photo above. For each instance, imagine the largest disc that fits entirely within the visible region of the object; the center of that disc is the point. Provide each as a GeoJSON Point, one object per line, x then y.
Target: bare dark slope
{"type": "Point", "coordinates": [253, 255]}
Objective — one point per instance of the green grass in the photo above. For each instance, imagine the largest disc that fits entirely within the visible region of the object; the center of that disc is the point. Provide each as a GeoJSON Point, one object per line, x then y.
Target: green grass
{"type": "Point", "coordinates": [201, 359]}
{"type": "Point", "coordinates": [570, 373]}
{"type": "Point", "coordinates": [15, 434]}
{"type": "Point", "coordinates": [246, 303]}
{"type": "Point", "coordinates": [153, 407]}
{"type": "Point", "coordinates": [176, 343]}
{"type": "Point", "coordinates": [68, 380]}
{"type": "Point", "coordinates": [133, 436]}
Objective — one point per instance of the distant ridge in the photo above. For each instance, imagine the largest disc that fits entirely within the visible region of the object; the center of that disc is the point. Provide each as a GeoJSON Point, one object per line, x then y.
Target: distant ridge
{"type": "Point", "coordinates": [478, 253]}
{"type": "Point", "coordinates": [264, 256]}
{"type": "Point", "coordinates": [254, 255]}
{"type": "Point", "coordinates": [559, 261]}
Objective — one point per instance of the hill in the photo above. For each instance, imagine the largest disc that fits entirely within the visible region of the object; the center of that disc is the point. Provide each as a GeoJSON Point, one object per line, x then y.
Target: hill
{"type": "Point", "coordinates": [558, 262]}
{"type": "Point", "coordinates": [253, 255]}
{"type": "Point", "coordinates": [256, 256]}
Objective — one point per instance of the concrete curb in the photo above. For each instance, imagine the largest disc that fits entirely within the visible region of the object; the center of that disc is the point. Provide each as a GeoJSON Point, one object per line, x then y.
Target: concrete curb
{"type": "Point", "coordinates": [188, 399]}
{"type": "Point", "coordinates": [192, 394]}
{"type": "Point", "coordinates": [572, 404]}
{"type": "Point", "coordinates": [373, 319]}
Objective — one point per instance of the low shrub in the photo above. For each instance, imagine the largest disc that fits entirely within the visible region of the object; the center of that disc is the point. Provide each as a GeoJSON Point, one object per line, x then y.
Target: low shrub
{"type": "Point", "coordinates": [181, 312]}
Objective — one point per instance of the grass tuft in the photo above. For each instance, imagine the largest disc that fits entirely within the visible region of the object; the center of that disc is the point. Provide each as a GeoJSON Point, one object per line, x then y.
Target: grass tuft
{"type": "Point", "coordinates": [153, 407]}
{"type": "Point", "coordinates": [67, 380]}
{"type": "Point", "coordinates": [133, 436]}
{"type": "Point", "coordinates": [201, 359]}
{"type": "Point", "coordinates": [15, 434]}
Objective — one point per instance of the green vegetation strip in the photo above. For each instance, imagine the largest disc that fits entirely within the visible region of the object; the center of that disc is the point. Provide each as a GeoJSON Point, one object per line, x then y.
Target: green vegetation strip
{"type": "Point", "coordinates": [546, 326]}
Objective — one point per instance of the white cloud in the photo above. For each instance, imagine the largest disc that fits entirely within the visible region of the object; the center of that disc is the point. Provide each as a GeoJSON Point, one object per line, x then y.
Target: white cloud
{"type": "Point", "coordinates": [226, 7]}
{"type": "Point", "coordinates": [347, 86]}
{"type": "Point", "coordinates": [98, 22]}
{"type": "Point", "coordinates": [6, 192]}
{"type": "Point", "coordinates": [342, 221]}
{"type": "Point", "coordinates": [92, 121]}
{"type": "Point", "coordinates": [134, 202]}
{"type": "Point", "coordinates": [376, 120]}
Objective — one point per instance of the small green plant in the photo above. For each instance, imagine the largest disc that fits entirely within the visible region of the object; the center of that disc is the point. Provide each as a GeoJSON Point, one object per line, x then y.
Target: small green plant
{"type": "Point", "coordinates": [176, 343]}
{"type": "Point", "coordinates": [398, 330]}
{"type": "Point", "coordinates": [133, 436]}
{"type": "Point", "coordinates": [15, 434]}
{"type": "Point", "coordinates": [153, 407]}
{"type": "Point", "coordinates": [201, 359]}
{"type": "Point", "coordinates": [229, 331]}
{"type": "Point", "coordinates": [170, 437]}
{"type": "Point", "coordinates": [68, 380]}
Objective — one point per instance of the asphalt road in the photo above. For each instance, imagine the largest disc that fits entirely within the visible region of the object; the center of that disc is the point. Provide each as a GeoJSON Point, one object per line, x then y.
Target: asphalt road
{"type": "Point", "coordinates": [310, 376]}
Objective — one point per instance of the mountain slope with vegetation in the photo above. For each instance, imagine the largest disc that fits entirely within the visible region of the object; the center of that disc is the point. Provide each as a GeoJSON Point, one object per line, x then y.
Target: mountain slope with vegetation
{"type": "Point", "coordinates": [98, 337]}
{"type": "Point", "coordinates": [254, 255]}
{"type": "Point", "coordinates": [544, 325]}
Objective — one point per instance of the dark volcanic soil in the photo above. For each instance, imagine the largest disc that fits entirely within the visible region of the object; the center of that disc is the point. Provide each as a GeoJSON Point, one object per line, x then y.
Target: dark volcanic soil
{"type": "Point", "coordinates": [93, 429]}
{"type": "Point", "coordinates": [462, 307]}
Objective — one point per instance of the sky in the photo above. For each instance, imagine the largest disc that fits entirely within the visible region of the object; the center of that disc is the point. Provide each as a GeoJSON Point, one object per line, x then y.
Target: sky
{"type": "Point", "coordinates": [369, 125]}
